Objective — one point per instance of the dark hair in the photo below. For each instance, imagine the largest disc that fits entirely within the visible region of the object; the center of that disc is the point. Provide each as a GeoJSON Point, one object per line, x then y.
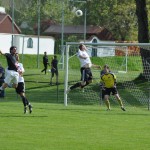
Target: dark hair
{"type": "Point", "coordinates": [106, 66]}
{"type": "Point", "coordinates": [11, 48]}
{"type": "Point", "coordinates": [80, 46]}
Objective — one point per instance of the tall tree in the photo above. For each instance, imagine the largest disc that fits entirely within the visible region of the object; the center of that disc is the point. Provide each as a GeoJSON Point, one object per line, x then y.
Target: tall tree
{"type": "Point", "coordinates": [141, 11]}
{"type": "Point", "coordinates": [143, 33]}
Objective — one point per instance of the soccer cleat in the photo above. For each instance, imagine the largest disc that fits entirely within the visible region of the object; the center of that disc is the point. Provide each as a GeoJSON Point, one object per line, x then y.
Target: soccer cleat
{"type": "Point", "coordinates": [68, 90]}
{"type": "Point", "coordinates": [30, 109]}
{"type": "Point", "coordinates": [123, 108]}
{"type": "Point", "coordinates": [108, 109]}
{"type": "Point", "coordinates": [25, 110]}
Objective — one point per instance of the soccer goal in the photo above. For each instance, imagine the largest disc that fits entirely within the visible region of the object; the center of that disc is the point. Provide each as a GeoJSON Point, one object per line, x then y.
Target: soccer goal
{"type": "Point", "coordinates": [129, 61]}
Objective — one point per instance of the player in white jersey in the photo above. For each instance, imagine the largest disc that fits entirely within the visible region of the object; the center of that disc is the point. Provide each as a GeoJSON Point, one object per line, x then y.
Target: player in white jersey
{"type": "Point", "coordinates": [86, 64]}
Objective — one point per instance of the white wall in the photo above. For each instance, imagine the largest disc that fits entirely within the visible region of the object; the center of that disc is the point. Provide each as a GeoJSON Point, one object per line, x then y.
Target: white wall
{"type": "Point", "coordinates": [103, 50]}
{"type": "Point", "coordinates": [5, 42]}
{"type": "Point", "coordinates": [46, 43]}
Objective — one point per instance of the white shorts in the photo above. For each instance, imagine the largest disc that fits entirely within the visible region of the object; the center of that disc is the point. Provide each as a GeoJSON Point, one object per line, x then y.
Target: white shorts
{"type": "Point", "coordinates": [11, 77]}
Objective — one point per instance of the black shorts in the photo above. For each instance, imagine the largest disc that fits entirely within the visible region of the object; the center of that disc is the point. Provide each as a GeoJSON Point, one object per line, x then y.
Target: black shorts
{"type": "Point", "coordinates": [108, 91]}
{"type": "Point", "coordinates": [54, 71]}
{"type": "Point", "coordinates": [20, 88]}
{"type": "Point", "coordinates": [86, 74]}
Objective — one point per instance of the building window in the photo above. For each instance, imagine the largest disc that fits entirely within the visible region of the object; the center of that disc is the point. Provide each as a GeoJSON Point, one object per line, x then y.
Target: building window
{"type": "Point", "coordinates": [30, 43]}
{"type": "Point", "coordinates": [94, 50]}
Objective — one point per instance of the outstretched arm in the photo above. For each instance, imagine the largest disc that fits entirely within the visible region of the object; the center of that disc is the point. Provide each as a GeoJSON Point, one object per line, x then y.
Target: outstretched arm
{"type": "Point", "coordinates": [1, 52]}
{"type": "Point", "coordinates": [96, 66]}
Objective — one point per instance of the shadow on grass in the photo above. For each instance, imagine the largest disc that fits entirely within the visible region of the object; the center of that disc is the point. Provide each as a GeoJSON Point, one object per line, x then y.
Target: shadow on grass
{"type": "Point", "coordinates": [99, 111]}
{"type": "Point", "coordinates": [21, 116]}
{"type": "Point", "coordinates": [31, 74]}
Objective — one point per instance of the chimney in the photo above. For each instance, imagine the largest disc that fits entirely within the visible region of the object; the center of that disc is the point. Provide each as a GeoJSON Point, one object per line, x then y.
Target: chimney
{"type": "Point", "coordinates": [2, 10]}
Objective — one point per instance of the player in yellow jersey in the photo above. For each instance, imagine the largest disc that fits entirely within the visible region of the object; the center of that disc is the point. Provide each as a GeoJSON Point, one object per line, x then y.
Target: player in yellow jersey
{"type": "Point", "coordinates": [108, 84]}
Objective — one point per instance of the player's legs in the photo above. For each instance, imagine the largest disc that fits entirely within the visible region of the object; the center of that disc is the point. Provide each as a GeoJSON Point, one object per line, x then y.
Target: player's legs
{"type": "Point", "coordinates": [106, 98]}
{"type": "Point", "coordinates": [11, 77]}
{"type": "Point", "coordinates": [45, 69]}
{"type": "Point", "coordinates": [56, 73]}
{"type": "Point", "coordinates": [26, 103]}
{"type": "Point", "coordinates": [52, 75]}
{"type": "Point", "coordinates": [21, 91]}
{"type": "Point", "coordinates": [106, 94]}
{"type": "Point", "coordinates": [115, 93]}
{"type": "Point", "coordinates": [87, 77]}
{"type": "Point", "coordinates": [4, 85]}
{"type": "Point", "coordinates": [119, 101]}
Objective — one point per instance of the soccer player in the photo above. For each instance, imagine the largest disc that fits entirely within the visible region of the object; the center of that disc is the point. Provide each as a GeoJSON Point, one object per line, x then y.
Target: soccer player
{"type": "Point", "coordinates": [54, 69]}
{"type": "Point", "coordinates": [86, 64]}
{"type": "Point", "coordinates": [102, 73]}
{"type": "Point", "coordinates": [21, 87]}
{"type": "Point", "coordinates": [12, 73]}
{"type": "Point", "coordinates": [45, 62]}
{"type": "Point", "coordinates": [108, 84]}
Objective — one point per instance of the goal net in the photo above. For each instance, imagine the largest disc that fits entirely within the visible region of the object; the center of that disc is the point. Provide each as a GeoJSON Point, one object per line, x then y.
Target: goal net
{"type": "Point", "coordinates": [129, 61]}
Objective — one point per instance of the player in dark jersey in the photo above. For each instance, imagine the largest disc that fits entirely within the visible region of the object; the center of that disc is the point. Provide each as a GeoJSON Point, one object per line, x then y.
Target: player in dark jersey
{"type": "Point", "coordinates": [108, 84]}
{"type": "Point", "coordinates": [54, 69]}
{"type": "Point", "coordinates": [45, 62]}
{"type": "Point", "coordinates": [12, 74]}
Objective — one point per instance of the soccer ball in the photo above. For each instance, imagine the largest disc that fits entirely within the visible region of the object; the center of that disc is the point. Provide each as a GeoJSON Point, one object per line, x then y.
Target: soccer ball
{"type": "Point", "coordinates": [79, 13]}
{"type": "Point", "coordinates": [49, 70]}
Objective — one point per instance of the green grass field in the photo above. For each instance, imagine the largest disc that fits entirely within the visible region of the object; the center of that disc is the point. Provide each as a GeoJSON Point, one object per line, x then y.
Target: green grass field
{"type": "Point", "coordinates": [79, 126]}
{"type": "Point", "coordinates": [56, 127]}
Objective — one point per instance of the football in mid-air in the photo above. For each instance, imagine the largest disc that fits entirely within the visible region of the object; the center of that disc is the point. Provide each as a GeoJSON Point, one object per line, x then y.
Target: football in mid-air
{"type": "Point", "coordinates": [79, 13]}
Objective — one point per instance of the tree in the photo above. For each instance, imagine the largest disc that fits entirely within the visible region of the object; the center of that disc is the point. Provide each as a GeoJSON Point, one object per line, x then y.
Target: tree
{"type": "Point", "coordinates": [143, 33]}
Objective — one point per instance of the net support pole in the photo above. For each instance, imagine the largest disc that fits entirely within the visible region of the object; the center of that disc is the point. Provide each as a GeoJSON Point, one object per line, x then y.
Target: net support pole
{"type": "Point", "coordinates": [126, 59]}
{"type": "Point", "coordinates": [148, 98]}
{"type": "Point", "coordinates": [66, 75]}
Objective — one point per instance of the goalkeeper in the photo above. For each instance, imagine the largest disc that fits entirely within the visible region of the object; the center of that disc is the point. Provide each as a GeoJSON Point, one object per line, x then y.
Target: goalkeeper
{"type": "Point", "coordinates": [86, 64]}
{"type": "Point", "coordinates": [108, 84]}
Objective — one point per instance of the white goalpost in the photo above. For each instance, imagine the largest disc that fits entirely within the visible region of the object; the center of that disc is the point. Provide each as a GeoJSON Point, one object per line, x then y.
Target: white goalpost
{"type": "Point", "coordinates": [124, 60]}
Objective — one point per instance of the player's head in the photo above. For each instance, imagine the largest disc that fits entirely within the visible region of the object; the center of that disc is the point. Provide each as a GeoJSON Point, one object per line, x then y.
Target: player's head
{"type": "Point", "coordinates": [106, 68]}
{"type": "Point", "coordinates": [45, 53]}
{"type": "Point", "coordinates": [55, 57]}
{"type": "Point", "coordinates": [13, 49]}
{"type": "Point", "coordinates": [82, 47]}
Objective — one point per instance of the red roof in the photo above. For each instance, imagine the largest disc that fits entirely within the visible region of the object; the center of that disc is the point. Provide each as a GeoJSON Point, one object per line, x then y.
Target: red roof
{"type": "Point", "coordinates": [6, 24]}
{"type": "Point", "coordinates": [101, 32]}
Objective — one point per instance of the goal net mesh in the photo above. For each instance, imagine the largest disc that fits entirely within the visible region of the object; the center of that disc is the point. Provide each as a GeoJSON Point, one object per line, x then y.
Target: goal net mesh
{"type": "Point", "coordinates": [131, 65]}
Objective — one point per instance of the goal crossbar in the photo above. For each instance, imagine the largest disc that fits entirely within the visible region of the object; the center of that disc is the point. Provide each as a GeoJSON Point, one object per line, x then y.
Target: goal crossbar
{"type": "Point", "coordinates": [109, 44]}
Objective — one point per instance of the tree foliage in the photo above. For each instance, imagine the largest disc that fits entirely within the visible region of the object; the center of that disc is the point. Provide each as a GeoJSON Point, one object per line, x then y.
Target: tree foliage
{"type": "Point", "coordinates": [118, 16]}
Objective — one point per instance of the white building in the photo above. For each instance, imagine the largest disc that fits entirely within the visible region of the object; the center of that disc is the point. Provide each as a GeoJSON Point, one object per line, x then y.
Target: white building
{"type": "Point", "coordinates": [100, 51]}
{"type": "Point", "coordinates": [27, 44]}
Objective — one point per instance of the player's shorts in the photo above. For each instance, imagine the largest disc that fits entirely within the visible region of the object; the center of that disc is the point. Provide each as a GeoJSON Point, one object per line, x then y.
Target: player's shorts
{"type": "Point", "coordinates": [11, 77]}
{"type": "Point", "coordinates": [86, 74]}
{"type": "Point", "coordinates": [20, 88]}
{"type": "Point", "coordinates": [54, 71]}
{"type": "Point", "coordinates": [108, 91]}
